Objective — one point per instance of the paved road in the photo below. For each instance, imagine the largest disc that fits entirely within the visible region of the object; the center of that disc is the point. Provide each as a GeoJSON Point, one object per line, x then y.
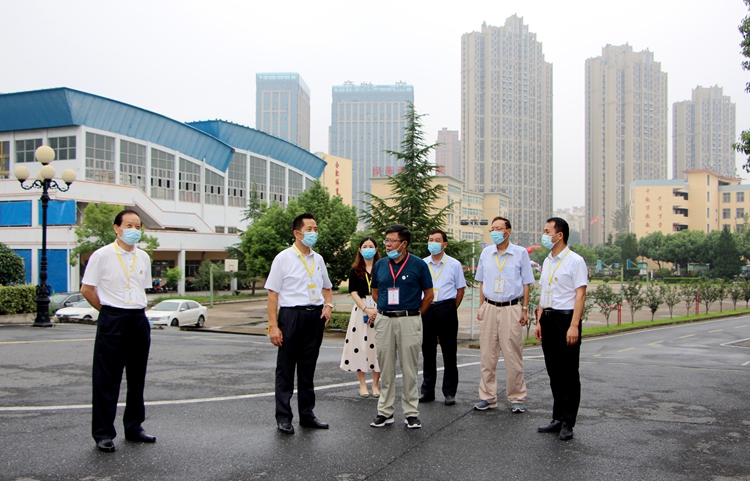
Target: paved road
{"type": "Point", "coordinates": [670, 403]}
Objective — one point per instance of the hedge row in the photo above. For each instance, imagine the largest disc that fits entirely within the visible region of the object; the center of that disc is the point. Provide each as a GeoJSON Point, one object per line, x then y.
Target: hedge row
{"type": "Point", "coordinates": [17, 299]}
{"type": "Point", "coordinates": [682, 280]}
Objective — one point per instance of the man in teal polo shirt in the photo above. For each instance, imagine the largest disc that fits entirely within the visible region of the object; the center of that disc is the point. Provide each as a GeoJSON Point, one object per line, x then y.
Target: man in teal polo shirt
{"type": "Point", "coordinates": [402, 291]}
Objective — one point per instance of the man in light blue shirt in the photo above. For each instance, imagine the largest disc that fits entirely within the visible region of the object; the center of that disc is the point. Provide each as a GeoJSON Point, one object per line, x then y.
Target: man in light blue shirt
{"type": "Point", "coordinates": [440, 321]}
{"type": "Point", "coordinates": [504, 274]}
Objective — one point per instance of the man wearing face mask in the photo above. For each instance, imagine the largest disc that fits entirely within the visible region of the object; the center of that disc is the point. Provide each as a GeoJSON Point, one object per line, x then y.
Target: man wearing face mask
{"type": "Point", "coordinates": [115, 284]}
{"type": "Point", "coordinates": [504, 274]}
{"type": "Point", "coordinates": [300, 290]}
{"type": "Point", "coordinates": [402, 291]}
{"type": "Point", "coordinates": [563, 281]}
{"type": "Point", "coordinates": [440, 321]}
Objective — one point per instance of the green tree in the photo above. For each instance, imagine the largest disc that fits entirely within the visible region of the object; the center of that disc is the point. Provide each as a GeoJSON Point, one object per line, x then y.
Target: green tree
{"type": "Point", "coordinates": [653, 299]}
{"type": "Point", "coordinates": [621, 219]}
{"type": "Point", "coordinates": [743, 144]}
{"type": "Point", "coordinates": [96, 231]}
{"type": "Point", "coordinates": [688, 293]}
{"type": "Point", "coordinates": [174, 274]}
{"type": "Point", "coordinates": [707, 293]}
{"type": "Point", "coordinates": [12, 271]}
{"type": "Point", "coordinates": [606, 299]}
{"type": "Point", "coordinates": [671, 296]}
{"type": "Point", "coordinates": [735, 293]}
{"type": "Point", "coordinates": [650, 246]}
{"type": "Point", "coordinates": [632, 293]}
{"type": "Point", "coordinates": [722, 291]}
{"type": "Point", "coordinates": [721, 251]}
{"type": "Point", "coordinates": [413, 190]}
{"type": "Point", "coordinates": [628, 244]}
{"type": "Point", "coordinates": [256, 208]}
{"type": "Point", "coordinates": [746, 293]}
{"type": "Point", "coordinates": [683, 247]}
{"type": "Point", "coordinates": [203, 276]}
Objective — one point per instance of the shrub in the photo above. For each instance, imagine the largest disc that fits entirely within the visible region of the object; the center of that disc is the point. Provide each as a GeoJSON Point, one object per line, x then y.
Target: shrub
{"type": "Point", "coordinates": [17, 299]}
{"type": "Point", "coordinates": [12, 270]}
{"type": "Point", "coordinates": [339, 320]}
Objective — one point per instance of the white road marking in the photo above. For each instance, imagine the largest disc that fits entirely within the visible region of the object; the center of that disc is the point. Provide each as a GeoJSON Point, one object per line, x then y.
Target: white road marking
{"type": "Point", "coordinates": [689, 335]}
{"type": "Point", "coordinates": [49, 340]}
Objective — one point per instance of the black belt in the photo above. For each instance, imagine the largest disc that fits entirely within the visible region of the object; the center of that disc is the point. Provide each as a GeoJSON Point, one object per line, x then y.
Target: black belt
{"type": "Point", "coordinates": [447, 301]}
{"type": "Point", "coordinates": [558, 312]}
{"type": "Point", "coordinates": [502, 304]}
{"type": "Point", "coordinates": [314, 307]}
{"type": "Point", "coordinates": [399, 313]}
{"type": "Point", "coordinates": [125, 311]}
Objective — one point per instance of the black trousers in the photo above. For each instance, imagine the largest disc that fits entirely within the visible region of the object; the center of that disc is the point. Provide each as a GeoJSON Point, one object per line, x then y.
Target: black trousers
{"type": "Point", "coordinates": [440, 322]}
{"type": "Point", "coordinates": [123, 339]}
{"type": "Point", "coordinates": [302, 335]}
{"type": "Point", "coordinates": [562, 366]}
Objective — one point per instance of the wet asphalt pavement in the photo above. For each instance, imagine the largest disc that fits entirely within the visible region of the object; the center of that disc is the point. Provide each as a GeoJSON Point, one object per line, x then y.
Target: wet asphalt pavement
{"type": "Point", "coordinates": [668, 403]}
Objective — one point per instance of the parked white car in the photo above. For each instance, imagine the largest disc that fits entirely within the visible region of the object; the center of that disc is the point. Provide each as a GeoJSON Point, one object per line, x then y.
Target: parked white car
{"type": "Point", "coordinates": [177, 312]}
{"type": "Point", "coordinates": [81, 310]}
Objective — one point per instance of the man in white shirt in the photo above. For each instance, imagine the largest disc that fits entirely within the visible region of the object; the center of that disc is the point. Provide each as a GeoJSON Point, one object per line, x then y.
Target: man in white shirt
{"type": "Point", "coordinates": [115, 284]}
{"type": "Point", "coordinates": [504, 275]}
{"type": "Point", "coordinates": [440, 321]}
{"type": "Point", "coordinates": [563, 281]}
{"type": "Point", "coordinates": [300, 290]}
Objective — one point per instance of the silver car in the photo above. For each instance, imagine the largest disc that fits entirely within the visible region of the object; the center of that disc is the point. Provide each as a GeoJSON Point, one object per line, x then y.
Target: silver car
{"type": "Point", "coordinates": [177, 312]}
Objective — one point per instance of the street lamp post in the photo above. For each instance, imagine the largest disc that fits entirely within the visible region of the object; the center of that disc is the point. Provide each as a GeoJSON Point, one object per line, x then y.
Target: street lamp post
{"type": "Point", "coordinates": [473, 223]}
{"type": "Point", "coordinates": [44, 181]}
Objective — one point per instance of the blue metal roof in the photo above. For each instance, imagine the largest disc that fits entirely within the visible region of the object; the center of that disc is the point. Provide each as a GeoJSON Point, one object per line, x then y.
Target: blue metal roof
{"type": "Point", "coordinates": [252, 140]}
{"type": "Point", "coordinates": [64, 107]}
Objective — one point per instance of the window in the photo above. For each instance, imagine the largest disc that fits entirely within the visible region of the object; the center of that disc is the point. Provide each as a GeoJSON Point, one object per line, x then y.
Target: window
{"type": "Point", "coordinates": [708, 196]}
{"type": "Point", "coordinates": [232, 230]}
{"type": "Point", "coordinates": [25, 149]}
{"type": "Point", "coordinates": [219, 229]}
{"type": "Point", "coordinates": [740, 228]}
{"type": "Point", "coordinates": [237, 188]}
{"type": "Point", "coordinates": [708, 180]}
{"type": "Point", "coordinates": [4, 159]}
{"type": "Point", "coordinates": [100, 158]}
{"type": "Point", "coordinates": [740, 197]}
{"type": "Point", "coordinates": [258, 177]}
{"type": "Point", "coordinates": [159, 268]}
{"type": "Point", "coordinates": [708, 212]}
{"type": "Point", "coordinates": [214, 188]}
{"type": "Point", "coordinates": [133, 164]}
{"type": "Point", "coordinates": [191, 267]}
{"type": "Point", "coordinates": [162, 175]}
{"type": "Point", "coordinates": [277, 188]}
{"type": "Point", "coordinates": [64, 147]}
{"type": "Point", "coordinates": [295, 184]}
{"type": "Point", "coordinates": [726, 213]}
{"type": "Point", "coordinates": [740, 213]}
{"type": "Point", "coordinates": [190, 181]}
{"type": "Point", "coordinates": [726, 197]}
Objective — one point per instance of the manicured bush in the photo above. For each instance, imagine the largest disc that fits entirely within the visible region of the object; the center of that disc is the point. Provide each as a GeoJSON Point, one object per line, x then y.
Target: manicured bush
{"type": "Point", "coordinates": [339, 320]}
{"type": "Point", "coordinates": [17, 299]}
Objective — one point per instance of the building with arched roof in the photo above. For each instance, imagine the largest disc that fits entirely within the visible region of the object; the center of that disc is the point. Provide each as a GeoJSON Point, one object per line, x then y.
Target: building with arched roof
{"type": "Point", "coordinates": [190, 182]}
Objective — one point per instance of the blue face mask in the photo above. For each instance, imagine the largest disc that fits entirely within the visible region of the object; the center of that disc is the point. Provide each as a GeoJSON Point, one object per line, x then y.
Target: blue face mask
{"type": "Point", "coordinates": [394, 253]}
{"type": "Point", "coordinates": [310, 239]}
{"type": "Point", "coordinates": [368, 252]}
{"type": "Point", "coordinates": [497, 237]}
{"type": "Point", "coordinates": [547, 241]}
{"type": "Point", "coordinates": [435, 248]}
{"type": "Point", "coordinates": [131, 236]}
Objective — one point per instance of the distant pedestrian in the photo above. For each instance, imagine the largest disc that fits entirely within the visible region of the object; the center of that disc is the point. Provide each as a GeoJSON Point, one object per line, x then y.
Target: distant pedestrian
{"type": "Point", "coordinates": [300, 290]}
{"type": "Point", "coordinates": [504, 275]}
{"type": "Point", "coordinates": [440, 321]}
{"type": "Point", "coordinates": [115, 283]}
{"type": "Point", "coordinates": [402, 290]}
{"type": "Point", "coordinates": [360, 354]}
{"type": "Point", "coordinates": [563, 281]}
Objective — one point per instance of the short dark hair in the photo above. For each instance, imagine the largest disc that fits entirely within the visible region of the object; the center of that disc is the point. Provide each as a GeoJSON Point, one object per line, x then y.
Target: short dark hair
{"type": "Point", "coordinates": [403, 232]}
{"type": "Point", "coordinates": [561, 225]}
{"type": "Point", "coordinates": [118, 217]}
{"type": "Point", "coordinates": [507, 222]}
{"type": "Point", "coordinates": [441, 232]}
{"type": "Point", "coordinates": [299, 221]}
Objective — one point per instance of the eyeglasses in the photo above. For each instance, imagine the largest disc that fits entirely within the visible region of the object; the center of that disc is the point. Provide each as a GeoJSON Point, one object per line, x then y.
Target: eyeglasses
{"type": "Point", "coordinates": [392, 241]}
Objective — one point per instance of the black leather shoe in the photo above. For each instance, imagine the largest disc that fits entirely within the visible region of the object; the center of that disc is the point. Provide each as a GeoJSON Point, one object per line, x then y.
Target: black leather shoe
{"type": "Point", "coordinates": [450, 400]}
{"type": "Point", "coordinates": [140, 437]}
{"type": "Point", "coordinates": [314, 423]}
{"type": "Point", "coordinates": [105, 446]}
{"type": "Point", "coordinates": [426, 398]}
{"type": "Point", "coordinates": [286, 428]}
{"type": "Point", "coordinates": [566, 432]}
{"type": "Point", "coordinates": [553, 427]}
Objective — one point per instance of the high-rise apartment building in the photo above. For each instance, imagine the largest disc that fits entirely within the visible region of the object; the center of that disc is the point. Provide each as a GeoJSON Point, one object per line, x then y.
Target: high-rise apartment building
{"type": "Point", "coordinates": [282, 107]}
{"type": "Point", "coordinates": [506, 122]}
{"type": "Point", "coordinates": [448, 153]}
{"type": "Point", "coordinates": [367, 120]}
{"type": "Point", "coordinates": [626, 131]}
{"type": "Point", "coordinates": [703, 132]}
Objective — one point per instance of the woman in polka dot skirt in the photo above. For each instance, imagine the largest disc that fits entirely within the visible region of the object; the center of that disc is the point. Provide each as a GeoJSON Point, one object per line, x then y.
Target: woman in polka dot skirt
{"type": "Point", "coordinates": [359, 350]}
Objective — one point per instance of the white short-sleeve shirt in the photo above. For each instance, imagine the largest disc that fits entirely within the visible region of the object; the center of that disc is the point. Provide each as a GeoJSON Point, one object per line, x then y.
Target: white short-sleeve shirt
{"type": "Point", "coordinates": [447, 277]}
{"type": "Point", "coordinates": [561, 276]}
{"type": "Point", "coordinates": [105, 272]}
{"type": "Point", "coordinates": [291, 280]}
{"type": "Point", "coordinates": [513, 267]}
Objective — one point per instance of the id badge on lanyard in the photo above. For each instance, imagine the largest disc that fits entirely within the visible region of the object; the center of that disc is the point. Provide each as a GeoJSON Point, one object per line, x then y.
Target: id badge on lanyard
{"type": "Point", "coordinates": [392, 296]}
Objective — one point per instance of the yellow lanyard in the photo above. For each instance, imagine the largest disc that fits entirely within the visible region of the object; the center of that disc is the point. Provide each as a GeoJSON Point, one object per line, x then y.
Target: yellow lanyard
{"type": "Point", "coordinates": [500, 267]}
{"type": "Point", "coordinates": [309, 269]}
{"type": "Point", "coordinates": [439, 272]}
{"type": "Point", "coordinates": [369, 283]}
{"type": "Point", "coordinates": [130, 272]}
{"type": "Point", "coordinates": [549, 281]}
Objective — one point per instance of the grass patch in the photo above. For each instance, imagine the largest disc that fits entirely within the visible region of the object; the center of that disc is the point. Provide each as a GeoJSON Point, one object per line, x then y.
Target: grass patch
{"type": "Point", "coordinates": [207, 299]}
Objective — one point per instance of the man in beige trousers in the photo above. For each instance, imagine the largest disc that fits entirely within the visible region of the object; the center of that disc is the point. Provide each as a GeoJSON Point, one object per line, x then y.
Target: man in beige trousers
{"type": "Point", "coordinates": [504, 274]}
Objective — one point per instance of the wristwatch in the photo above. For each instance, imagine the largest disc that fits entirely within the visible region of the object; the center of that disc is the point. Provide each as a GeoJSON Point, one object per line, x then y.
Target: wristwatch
{"type": "Point", "coordinates": [328, 304]}
{"type": "Point", "coordinates": [525, 308]}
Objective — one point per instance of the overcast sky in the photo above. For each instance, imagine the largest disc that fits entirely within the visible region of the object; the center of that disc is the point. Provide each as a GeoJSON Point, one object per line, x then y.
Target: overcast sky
{"type": "Point", "coordinates": [197, 59]}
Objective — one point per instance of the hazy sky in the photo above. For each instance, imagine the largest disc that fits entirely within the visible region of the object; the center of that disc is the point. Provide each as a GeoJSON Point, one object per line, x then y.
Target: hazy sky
{"type": "Point", "coordinates": [197, 60]}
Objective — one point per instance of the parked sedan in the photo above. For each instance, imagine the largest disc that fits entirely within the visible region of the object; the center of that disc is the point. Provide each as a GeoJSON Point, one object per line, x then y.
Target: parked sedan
{"type": "Point", "coordinates": [64, 299]}
{"type": "Point", "coordinates": [80, 311]}
{"type": "Point", "coordinates": [177, 312]}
